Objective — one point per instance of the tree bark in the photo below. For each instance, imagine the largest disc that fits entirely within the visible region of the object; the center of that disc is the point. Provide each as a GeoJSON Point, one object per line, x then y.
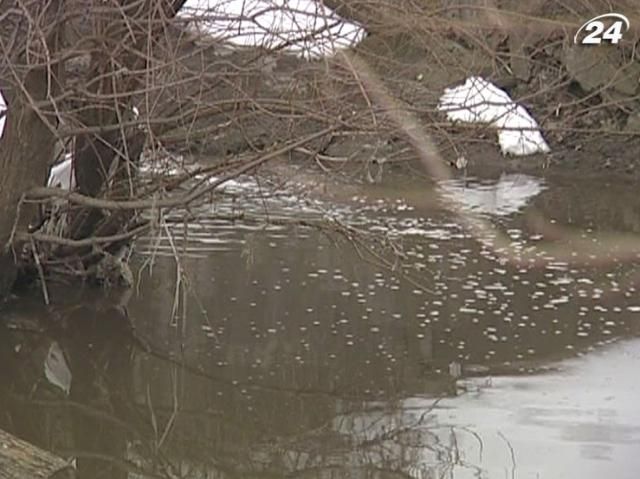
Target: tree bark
{"type": "Point", "coordinates": [96, 153]}
{"type": "Point", "coordinates": [25, 149]}
{"type": "Point", "coordinates": [30, 38]}
{"type": "Point", "coordinates": [21, 460]}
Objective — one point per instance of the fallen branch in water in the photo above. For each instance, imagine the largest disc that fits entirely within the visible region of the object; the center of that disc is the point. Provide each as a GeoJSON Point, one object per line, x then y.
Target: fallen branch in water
{"type": "Point", "coordinates": [19, 459]}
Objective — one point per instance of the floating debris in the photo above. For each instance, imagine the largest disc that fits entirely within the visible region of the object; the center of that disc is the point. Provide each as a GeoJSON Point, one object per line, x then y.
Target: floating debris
{"type": "Point", "coordinates": [56, 370]}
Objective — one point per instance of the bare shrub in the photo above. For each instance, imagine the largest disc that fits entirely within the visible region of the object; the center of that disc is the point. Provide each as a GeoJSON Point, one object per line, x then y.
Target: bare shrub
{"type": "Point", "coordinates": [134, 91]}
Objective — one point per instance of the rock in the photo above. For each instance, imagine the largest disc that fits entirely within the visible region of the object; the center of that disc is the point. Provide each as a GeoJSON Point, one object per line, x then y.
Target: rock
{"type": "Point", "coordinates": [596, 67]}
{"type": "Point", "coordinates": [633, 122]}
{"type": "Point", "coordinates": [520, 59]}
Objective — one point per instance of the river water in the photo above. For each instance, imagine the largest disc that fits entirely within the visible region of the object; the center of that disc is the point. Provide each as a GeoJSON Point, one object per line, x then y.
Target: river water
{"type": "Point", "coordinates": [291, 351]}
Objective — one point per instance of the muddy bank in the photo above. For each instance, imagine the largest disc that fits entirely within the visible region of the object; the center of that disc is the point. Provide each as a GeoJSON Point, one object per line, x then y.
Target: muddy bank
{"type": "Point", "coordinates": [610, 158]}
{"type": "Point", "coordinates": [586, 100]}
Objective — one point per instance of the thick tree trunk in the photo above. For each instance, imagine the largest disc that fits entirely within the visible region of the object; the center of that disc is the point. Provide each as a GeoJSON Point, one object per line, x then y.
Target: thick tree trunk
{"type": "Point", "coordinates": [30, 38]}
{"type": "Point", "coordinates": [21, 460]}
{"type": "Point", "coordinates": [25, 150]}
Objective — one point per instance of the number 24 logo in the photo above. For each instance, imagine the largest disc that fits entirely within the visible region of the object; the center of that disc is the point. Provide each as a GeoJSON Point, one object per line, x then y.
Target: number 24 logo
{"type": "Point", "coordinates": [597, 32]}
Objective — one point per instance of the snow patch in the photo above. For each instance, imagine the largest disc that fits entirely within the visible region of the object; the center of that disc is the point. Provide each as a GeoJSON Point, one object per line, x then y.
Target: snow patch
{"type": "Point", "coordinates": [305, 27]}
{"type": "Point", "coordinates": [480, 101]}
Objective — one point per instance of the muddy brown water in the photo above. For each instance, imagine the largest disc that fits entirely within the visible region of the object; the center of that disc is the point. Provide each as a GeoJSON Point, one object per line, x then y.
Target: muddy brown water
{"type": "Point", "coordinates": [281, 353]}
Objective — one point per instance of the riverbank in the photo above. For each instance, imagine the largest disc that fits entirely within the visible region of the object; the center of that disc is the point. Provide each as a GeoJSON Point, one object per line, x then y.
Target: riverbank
{"type": "Point", "coordinates": [590, 119]}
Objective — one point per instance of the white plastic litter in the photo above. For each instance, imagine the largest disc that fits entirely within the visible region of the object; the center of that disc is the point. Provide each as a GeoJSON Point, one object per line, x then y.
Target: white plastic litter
{"type": "Point", "coordinates": [63, 175]}
{"type": "Point", "coordinates": [303, 26]}
{"type": "Point", "coordinates": [508, 195]}
{"type": "Point", "coordinates": [3, 111]}
{"type": "Point", "coordinates": [56, 369]}
{"type": "Point", "coordinates": [480, 101]}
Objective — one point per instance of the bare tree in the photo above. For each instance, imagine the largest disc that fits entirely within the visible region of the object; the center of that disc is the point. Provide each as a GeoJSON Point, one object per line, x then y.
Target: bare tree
{"type": "Point", "coordinates": [119, 81]}
{"type": "Point", "coordinates": [77, 74]}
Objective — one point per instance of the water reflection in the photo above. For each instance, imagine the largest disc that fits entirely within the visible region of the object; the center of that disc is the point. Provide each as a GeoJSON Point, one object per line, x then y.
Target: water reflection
{"type": "Point", "coordinates": [66, 376]}
{"type": "Point", "coordinates": [272, 351]}
{"type": "Point", "coordinates": [511, 193]}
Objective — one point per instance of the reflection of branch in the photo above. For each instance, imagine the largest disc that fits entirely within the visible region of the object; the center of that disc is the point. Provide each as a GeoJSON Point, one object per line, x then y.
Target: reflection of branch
{"type": "Point", "coordinates": [199, 372]}
{"type": "Point", "coordinates": [174, 412]}
{"type": "Point", "coordinates": [512, 452]}
{"type": "Point", "coordinates": [394, 433]}
{"type": "Point", "coordinates": [477, 437]}
{"type": "Point", "coordinates": [377, 259]}
{"type": "Point", "coordinates": [82, 408]}
{"type": "Point", "coordinates": [43, 281]}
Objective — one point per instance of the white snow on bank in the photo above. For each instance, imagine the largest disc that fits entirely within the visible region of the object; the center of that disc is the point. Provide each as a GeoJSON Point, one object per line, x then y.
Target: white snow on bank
{"type": "Point", "coordinates": [303, 26]}
{"type": "Point", "coordinates": [508, 195]}
{"type": "Point", "coordinates": [480, 101]}
{"type": "Point", "coordinates": [3, 111]}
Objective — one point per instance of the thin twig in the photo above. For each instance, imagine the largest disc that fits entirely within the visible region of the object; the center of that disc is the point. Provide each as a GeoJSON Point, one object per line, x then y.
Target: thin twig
{"type": "Point", "coordinates": [43, 281]}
